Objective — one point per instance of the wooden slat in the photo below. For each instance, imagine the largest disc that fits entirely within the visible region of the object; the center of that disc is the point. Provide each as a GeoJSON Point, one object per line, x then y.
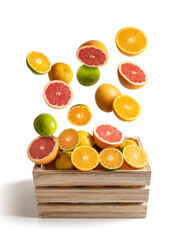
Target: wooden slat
{"type": "Point", "coordinates": [92, 178]}
{"type": "Point", "coordinates": [91, 194]}
{"type": "Point", "coordinates": [92, 210]}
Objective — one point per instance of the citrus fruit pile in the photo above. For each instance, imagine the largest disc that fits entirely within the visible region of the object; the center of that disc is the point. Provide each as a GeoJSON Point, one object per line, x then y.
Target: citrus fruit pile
{"type": "Point", "coordinates": [106, 146]}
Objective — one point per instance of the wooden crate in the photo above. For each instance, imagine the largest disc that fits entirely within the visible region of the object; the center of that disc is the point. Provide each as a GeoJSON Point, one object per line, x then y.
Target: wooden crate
{"type": "Point", "coordinates": [98, 193]}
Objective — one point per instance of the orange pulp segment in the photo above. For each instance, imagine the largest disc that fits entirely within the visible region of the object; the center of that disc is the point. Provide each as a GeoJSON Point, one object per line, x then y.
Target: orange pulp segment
{"type": "Point", "coordinates": [135, 156]}
{"type": "Point", "coordinates": [131, 41]}
{"type": "Point", "coordinates": [79, 115]}
{"type": "Point", "coordinates": [111, 158]}
{"type": "Point", "coordinates": [68, 139]}
{"type": "Point", "coordinates": [126, 108]}
{"type": "Point", "coordinates": [38, 62]}
{"type": "Point", "coordinates": [85, 158]}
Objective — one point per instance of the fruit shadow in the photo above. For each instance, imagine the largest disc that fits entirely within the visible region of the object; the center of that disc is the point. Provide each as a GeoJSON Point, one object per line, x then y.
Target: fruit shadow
{"type": "Point", "coordinates": [19, 199]}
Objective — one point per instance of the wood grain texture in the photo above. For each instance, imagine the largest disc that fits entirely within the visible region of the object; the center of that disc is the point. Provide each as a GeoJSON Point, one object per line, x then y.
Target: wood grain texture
{"type": "Point", "coordinates": [91, 195]}
{"type": "Point", "coordinates": [92, 210]}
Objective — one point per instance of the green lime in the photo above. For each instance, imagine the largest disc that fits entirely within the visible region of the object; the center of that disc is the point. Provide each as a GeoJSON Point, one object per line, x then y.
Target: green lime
{"type": "Point", "coordinates": [45, 125]}
{"type": "Point", "coordinates": [88, 76]}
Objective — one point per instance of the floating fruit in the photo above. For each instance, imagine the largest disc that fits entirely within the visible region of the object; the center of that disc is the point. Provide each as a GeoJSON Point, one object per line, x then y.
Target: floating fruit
{"type": "Point", "coordinates": [45, 125]}
{"type": "Point", "coordinates": [61, 71]}
{"type": "Point", "coordinates": [111, 158]}
{"type": "Point", "coordinates": [85, 158]}
{"type": "Point", "coordinates": [131, 75]}
{"type": "Point", "coordinates": [38, 63]}
{"type": "Point", "coordinates": [68, 139]}
{"type": "Point", "coordinates": [107, 136]}
{"type": "Point", "coordinates": [57, 94]}
{"type": "Point", "coordinates": [88, 76]}
{"type": "Point", "coordinates": [92, 53]}
{"type": "Point", "coordinates": [86, 139]}
{"type": "Point", "coordinates": [43, 150]}
{"type": "Point", "coordinates": [126, 143]}
{"type": "Point", "coordinates": [105, 95]}
{"type": "Point", "coordinates": [79, 115]}
{"type": "Point", "coordinates": [135, 156]}
{"type": "Point", "coordinates": [63, 161]}
{"type": "Point", "coordinates": [131, 41]}
{"type": "Point", "coordinates": [126, 108]}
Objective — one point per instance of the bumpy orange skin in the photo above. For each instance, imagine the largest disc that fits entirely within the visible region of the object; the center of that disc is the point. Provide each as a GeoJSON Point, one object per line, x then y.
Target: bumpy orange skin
{"type": "Point", "coordinates": [96, 44]}
{"type": "Point", "coordinates": [105, 95]}
{"type": "Point", "coordinates": [49, 158]}
{"type": "Point", "coordinates": [126, 83]}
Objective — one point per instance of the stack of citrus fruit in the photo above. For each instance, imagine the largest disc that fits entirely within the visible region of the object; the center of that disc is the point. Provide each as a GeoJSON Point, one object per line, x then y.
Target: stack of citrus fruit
{"type": "Point", "coordinates": [106, 146]}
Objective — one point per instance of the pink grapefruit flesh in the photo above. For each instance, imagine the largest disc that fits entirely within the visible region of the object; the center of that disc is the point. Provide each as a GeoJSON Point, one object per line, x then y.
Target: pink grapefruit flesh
{"type": "Point", "coordinates": [57, 94]}
{"type": "Point", "coordinates": [91, 56]}
{"type": "Point", "coordinates": [106, 135]}
{"type": "Point", "coordinates": [131, 75]}
{"type": "Point", "coordinates": [43, 150]}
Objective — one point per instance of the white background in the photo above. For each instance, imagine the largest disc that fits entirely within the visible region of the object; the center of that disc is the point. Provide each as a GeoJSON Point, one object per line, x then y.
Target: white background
{"type": "Point", "coordinates": [57, 28]}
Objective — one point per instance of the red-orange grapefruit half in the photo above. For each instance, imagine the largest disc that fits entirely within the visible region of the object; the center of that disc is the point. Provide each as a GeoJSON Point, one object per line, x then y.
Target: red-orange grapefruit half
{"type": "Point", "coordinates": [92, 53]}
{"type": "Point", "coordinates": [107, 136]}
{"type": "Point", "coordinates": [131, 76]}
{"type": "Point", "coordinates": [43, 150]}
{"type": "Point", "coordinates": [57, 94]}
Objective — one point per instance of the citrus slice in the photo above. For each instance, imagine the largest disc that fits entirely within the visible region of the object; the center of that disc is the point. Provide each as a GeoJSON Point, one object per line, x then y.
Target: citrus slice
{"type": "Point", "coordinates": [43, 150]}
{"type": "Point", "coordinates": [135, 156]}
{"type": "Point", "coordinates": [68, 139]}
{"type": "Point", "coordinates": [126, 108]}
{"type": "Point", "coordinates": [61, 71]}
{"type": "Point", "coordinates": [57, 94]}
{"type": "Point", "coordinates": [107, 136]}
{"type": "Point", "coordinates": [111, 158]}
{"type": "Point", "coordinates": [85, 158]}
{"type": "Point", "coordinates": [131, 75]}
{"type": "Point", "coordinates": [38, 63]}
{"type": "Point", "coordinates": [79, 115]}
{"type": "Point", "coordinates": [105, 95]}
{"type": "Point", "coordinates": [92, 53]}
{"type": "Point", "coordinates": [131, 41]}
{"type": "Point", "coordinates": [63, 161]}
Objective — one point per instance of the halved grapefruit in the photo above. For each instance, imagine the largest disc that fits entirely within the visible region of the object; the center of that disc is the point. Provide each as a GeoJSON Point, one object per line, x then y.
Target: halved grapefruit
{"type": "Point", "coordinates": [43, 150]}
{"type": "Point", "coordinates": [57, 94]}
{"type": "Point", "coordinates": [131, 75]}
{"type": "Point", "coordinates": [107, 136]}
{"type": "Point", "coordinates": [92, 53]}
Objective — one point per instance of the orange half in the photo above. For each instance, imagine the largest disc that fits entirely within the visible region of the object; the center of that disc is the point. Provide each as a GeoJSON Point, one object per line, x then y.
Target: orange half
{"type": "Point", "coordinates": [126, 108]}
{"type": "Point", "coordinates": [85, 158]}
{"type": "Point", "coordinates": [38, 63]}
{"type": "Point", "coordinates": [131, 41]}
{"type": "Point", "coordinates": [111, 158]}
{"type": "Point", "coordinates": [135, 156]}
{"type": "Point", "coordinates": [79, 115]}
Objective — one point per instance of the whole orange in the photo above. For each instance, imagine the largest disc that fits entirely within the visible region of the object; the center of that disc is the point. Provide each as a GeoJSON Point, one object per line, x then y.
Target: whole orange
{"type": "Point", "coordinates": [61, 71]}
{"type": "Point", "coordinates": [105, 95]}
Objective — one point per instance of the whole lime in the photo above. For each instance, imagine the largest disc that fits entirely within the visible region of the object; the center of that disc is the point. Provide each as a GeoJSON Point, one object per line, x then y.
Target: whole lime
{"type": "Point", "coordinates": [88, 76]}
{"type": "Point", "coordinates": [45, 125]}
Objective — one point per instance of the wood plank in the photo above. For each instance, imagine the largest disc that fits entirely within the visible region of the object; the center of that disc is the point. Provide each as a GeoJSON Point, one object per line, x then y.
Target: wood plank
{"type": "Point", "coordinates": [91, 194]}
{"type": "Point", "coordinates": [92, 210]}
{"type": "Point", "coordinates": [139, 177]}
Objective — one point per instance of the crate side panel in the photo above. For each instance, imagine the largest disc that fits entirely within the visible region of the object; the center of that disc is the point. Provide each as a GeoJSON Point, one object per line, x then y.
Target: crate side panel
{"type": "Point", "coordinates": [91, 194]}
